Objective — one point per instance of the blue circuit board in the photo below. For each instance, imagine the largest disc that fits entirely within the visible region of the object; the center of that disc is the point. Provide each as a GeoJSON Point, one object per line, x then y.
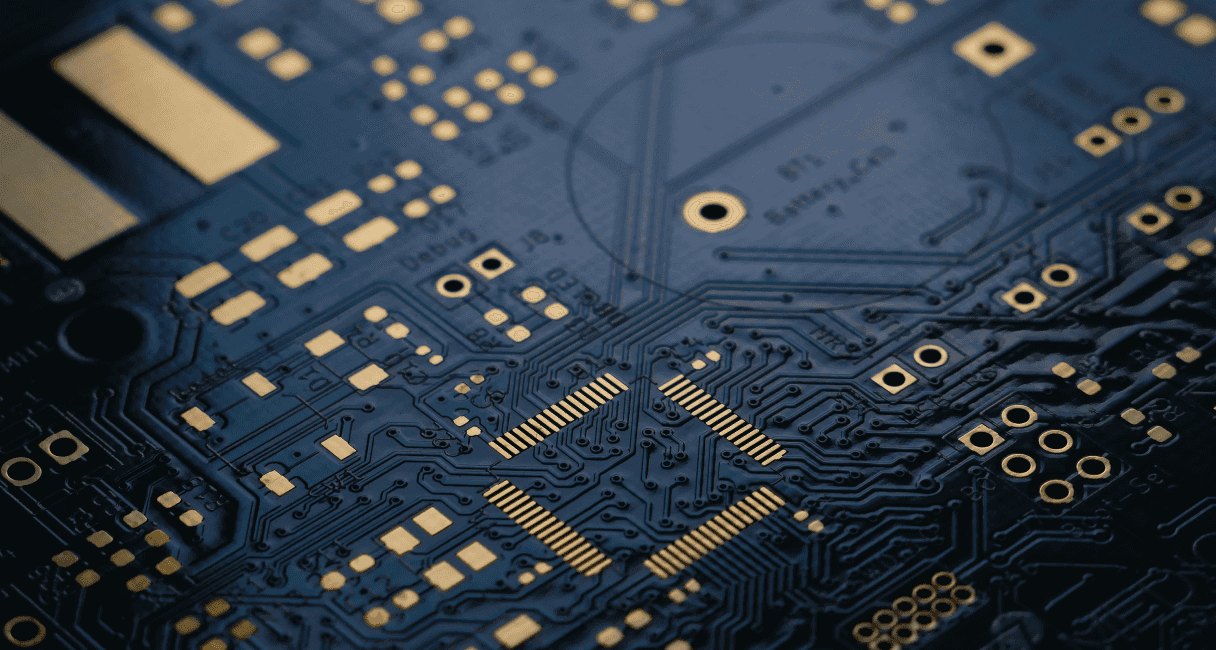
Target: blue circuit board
{"type": "Point", "coordinates": [578, 324]}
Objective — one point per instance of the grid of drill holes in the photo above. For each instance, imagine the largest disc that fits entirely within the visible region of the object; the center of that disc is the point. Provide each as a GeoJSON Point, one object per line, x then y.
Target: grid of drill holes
{"type": "Point", "coordinates": [1098, 140]}
{"type": "Point", "coordinates": [905, 620]}
{"type": "Point", "coordinates": [1052, 441]}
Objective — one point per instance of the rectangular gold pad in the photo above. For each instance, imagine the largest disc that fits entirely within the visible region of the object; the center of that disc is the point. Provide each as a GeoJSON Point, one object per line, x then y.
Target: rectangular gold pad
{"type": "Point", "coordinates": [50, 199]}
{"type": "Point", "coordinates": [160, 101]}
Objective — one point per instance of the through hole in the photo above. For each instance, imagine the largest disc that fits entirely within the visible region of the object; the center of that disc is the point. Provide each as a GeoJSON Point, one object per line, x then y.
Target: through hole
{"type": "Point", "coordinates": [885, 645]}
{"type": "Point", "coordinates": [1059, 275]}
{"type": "Point", "coordinates": [1163, 100]}
{"type": "Point", "coordinates": [903, 633]}
{"type": "Point", "coordinates": [923, 593]}
{"type": "Point", "coordinates": [1148, 219]}
{"type": "Point", "coordinates": [1055, 442]}
{"type": "Point", "coordinates": [1093, 466]}
{"type": "Point", "coordinates": [63, 447]}
{"type": "Point", "coordinates": [491, 264]}
{"type": "Point", "coordinates": [1098, 140]}
{"type": "Point", "coordinates": [941, 607]}
{"type": "Point", "coordinates": [24, 631]}
{"type": "Point", "coordinates": [1018, 415]}
{"type": "Point", "coordinates": [942, 580]}
{"type": "Point", "coordinates": [713, 211]}
{"type": "Point", "coordinates": [982, 439]}
{"type": "Point", "coordinates": [1182, 198]}
{"type": "Point", "coordinates": [1131, 119]}
{"type": "Point", "coordinates": [994, 49]}
{"type": "Point", "coordinates": [893, 379]}
{"type": "Point", "coordinates": [22, 470]}
{"type": "Point", "coordinates": [884, 619]}
{"type": "Point", "coordinates": [1056, 491]}
{"type": "Point", "coordinates": [453, 286]}
{"type": "Point", "coordinates": [1023, 297]}
{"type": "Point", "coordinates": [103, 333]}
{"type": "Point", "coordinates": [929, 355]}
{"type": "Point", "coordinates": [1018, 465]}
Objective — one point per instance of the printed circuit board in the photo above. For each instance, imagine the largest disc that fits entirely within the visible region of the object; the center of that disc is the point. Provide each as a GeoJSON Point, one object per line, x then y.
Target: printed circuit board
{"type": "Point", "coordinates": [578, 324]}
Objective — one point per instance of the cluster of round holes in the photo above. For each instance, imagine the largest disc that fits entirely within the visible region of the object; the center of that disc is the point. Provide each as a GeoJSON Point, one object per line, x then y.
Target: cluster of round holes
{"type": "Point", "coordinates": [1018, 465]}
{"type": "Point", "coordinates": [453, 285]}
{"type": "Point", "coordinates": [1055, 441]}
{"type": "Point", "coordinates": [713, 211]}
{"type": "Point", "coordinates": [1056, 491]}
{"type": "Point", "coordinates": [24, 631]}
{"type": "Point", "coordinates": [1059, 275]}
{"type": "Point", "coordinates": [1018, 416]}
{"type": "Point", "coordinates": [1093, 467]}
{"type": "Point", "coordinates": [930, 356]}
{"type": "Point", "coordinates": [904, 621]}
{"type": "Point", "coordinates": [1183, 197]}
{"type": "Point", "coordinates": [21, 471]}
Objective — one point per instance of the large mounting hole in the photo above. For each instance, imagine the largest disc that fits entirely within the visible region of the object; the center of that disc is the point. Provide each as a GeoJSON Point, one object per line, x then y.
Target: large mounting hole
{"type": "Point", "coordinates": [24, 631]}
{"type": "Point", "coordinates": [1055, 441]}
{"type": "Point", "coordinates": [453, 285]}
{"type": "Point", "coordinates": [103, 333]}
{"type": "Point", "coordinates": [22, 470]}
{"type": "Point", "coordinates": [1019, 465]}
{"type": "Point", "coordinates": [1057, 491]}
{"type": "Point", "coordinates": [1093, 466]}
{"type": "Point", "coordinates": [930, 355]}
{"type": "Point", "coordinates": [1018, 415]}
{"type": "Point", "coordinates": [714, 211]}
{"type": "Point", "coordinates": [63, 446]}
{"type": "Point", "coordinates": [982, 439]}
